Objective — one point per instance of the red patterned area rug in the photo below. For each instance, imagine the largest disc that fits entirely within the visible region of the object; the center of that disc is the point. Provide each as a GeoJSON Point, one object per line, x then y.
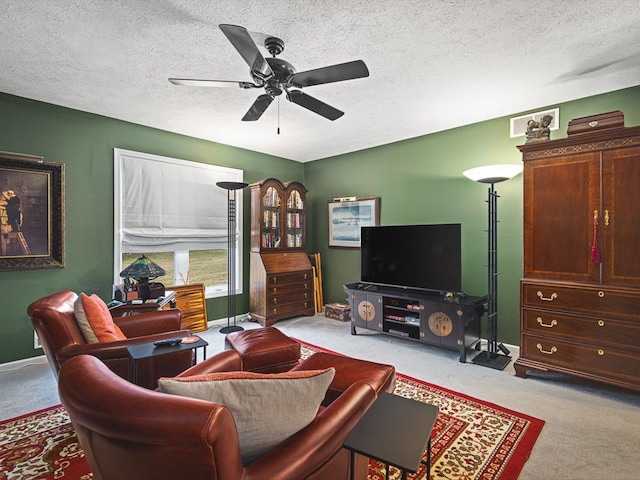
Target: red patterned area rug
{"type": "Point", "coordinates": [471, 440]}
{"type": "Point", "coordinates": [41, 445]}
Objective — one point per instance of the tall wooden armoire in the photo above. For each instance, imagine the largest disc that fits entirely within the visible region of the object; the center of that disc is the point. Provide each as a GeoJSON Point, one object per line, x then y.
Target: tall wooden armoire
{"type": "Point", "coordinates": [580, 295]}
{"type": "Point", "coordinates": [281, 277]}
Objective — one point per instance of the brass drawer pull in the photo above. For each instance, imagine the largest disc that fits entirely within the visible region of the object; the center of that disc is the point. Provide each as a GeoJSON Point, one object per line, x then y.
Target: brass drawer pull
{"type": "Point", "coordinates": [601, 323]}
{"type": "Point", "coordinates": [601, 294]}
{"type": "Point", "coordinates": [553, 323]}
{"type": "Point", "coordinates": [547, 299]}
{"type": "Point", "coordinates": [547, 352]}
{"type": "Point", "coordinates": [275, 300]}
{"type": "Point", "coordinates": [600, 352]}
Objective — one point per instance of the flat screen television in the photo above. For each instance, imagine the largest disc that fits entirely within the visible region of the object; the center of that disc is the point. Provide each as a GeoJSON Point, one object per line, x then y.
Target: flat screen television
{"type": "Point", "coordinates": [425, 257]}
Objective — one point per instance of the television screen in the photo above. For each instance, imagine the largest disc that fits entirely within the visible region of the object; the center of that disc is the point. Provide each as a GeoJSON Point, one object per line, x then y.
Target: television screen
{"type": "Point", "coordinates": [413, 256]}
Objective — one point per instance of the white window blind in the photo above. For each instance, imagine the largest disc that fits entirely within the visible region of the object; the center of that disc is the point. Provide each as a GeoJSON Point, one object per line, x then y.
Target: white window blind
{"type": "Point", "coordinates": [169, 204]}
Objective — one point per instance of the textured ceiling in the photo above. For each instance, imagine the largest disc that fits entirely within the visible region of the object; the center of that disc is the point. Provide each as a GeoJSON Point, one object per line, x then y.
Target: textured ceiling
{"type": "Point", "coordinates": [434, 64]}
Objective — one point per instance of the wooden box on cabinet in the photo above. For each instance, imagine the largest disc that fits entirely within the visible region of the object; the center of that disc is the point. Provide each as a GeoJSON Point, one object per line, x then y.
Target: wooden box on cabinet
{"type": "Point", "coordinates": [580, 295]}
{"type": "Point", "coordinates": [281, 277]}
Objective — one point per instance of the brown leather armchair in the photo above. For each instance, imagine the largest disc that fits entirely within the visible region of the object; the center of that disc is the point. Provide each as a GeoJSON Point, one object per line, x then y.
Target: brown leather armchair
{"type": "Point", "coordinates": [54, 321]}
{"type": "Point", "coordinates": [128, 432]}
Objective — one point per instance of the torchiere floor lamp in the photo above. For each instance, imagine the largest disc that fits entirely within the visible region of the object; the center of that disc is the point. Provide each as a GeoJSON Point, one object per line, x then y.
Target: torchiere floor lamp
{"type": "Point", "coordinates": [231, 188]}
{"type": "Point", "coordinates": [493, 174]}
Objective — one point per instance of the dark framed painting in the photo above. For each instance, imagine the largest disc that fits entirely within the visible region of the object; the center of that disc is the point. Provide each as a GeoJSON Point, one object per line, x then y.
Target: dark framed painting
{"type": "Point", "coordinates": [346, 217]}
{"type": "Point", "coordinates": [31, 212]}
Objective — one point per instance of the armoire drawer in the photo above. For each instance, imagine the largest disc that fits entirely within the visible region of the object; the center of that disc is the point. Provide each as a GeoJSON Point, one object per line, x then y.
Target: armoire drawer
{"type": "Point", "coordinates": [582, 328]}
{"type": "Point", "coordinates": [595, 359]}
{"type": "Point", "coordinates": [583, 298]}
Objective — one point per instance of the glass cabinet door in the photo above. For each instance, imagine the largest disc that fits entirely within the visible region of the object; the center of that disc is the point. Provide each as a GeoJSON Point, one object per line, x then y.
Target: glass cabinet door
{"type": "Point", "coordinates": [295, 220]}
{"type": "Point", "coordinates": [271, 207]}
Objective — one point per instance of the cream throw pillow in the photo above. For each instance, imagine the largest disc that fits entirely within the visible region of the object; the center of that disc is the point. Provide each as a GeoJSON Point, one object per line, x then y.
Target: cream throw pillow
{"type": "Point", "coordinates": [267, 408]}
{"type": "Point", "coordinates": [83, 321]}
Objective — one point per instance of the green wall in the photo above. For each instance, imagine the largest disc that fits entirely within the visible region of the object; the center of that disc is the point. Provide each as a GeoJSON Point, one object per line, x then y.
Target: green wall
{"type": "Point", "coordinates": [418, 180]}
{"type": "Point", "coordinates": [84, 143]}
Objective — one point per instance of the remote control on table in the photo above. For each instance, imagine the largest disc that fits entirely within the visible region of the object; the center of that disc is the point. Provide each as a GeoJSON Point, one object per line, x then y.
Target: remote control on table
{"type": "Point", "coordinates": [167, 342]}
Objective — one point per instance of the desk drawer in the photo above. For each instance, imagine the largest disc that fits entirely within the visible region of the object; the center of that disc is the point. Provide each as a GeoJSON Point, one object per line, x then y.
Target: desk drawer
{"type": "Point", "coordinates": [581, 327]}
{"type": "Point", "coordinates": [582, 298]}
{"type": "Point", "coordinates": [290, 288]}
{"type": "Point", "coordinates": [284, 299]}
{"type": "Point", "coordinates": [594, 359]}
{"type": "Point", "coordinates": [274, 280]}
{"type": "Point", "coordinates": [300, 308]}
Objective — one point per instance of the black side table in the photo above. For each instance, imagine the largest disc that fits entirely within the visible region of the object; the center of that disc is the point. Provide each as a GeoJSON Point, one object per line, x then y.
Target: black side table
{"type": "Point", "coordinates": [147, 350]}
{"type": "Point", "coordinates": [395, 430]}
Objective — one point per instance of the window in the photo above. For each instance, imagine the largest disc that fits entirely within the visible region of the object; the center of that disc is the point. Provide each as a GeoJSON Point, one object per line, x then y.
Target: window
{"type": "Point", "coordinates": [172, 211]}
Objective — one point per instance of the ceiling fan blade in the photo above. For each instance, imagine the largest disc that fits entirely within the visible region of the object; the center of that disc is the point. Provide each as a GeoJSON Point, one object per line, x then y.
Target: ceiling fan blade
{"type": "Point", "coordinates": [246, 47]}
{"type": "Point", "coordinates": [334, 73]}
{"type": "Point", "coordinates": [313, 104]}
{"type": "Point", "coordinates": [258, 108]}
{"type": "Point", "coordinates": [211, 83]}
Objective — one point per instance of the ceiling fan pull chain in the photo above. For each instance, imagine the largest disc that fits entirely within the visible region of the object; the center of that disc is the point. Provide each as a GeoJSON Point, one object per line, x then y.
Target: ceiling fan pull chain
{"type": "Point", "coordinates": [278, 115]}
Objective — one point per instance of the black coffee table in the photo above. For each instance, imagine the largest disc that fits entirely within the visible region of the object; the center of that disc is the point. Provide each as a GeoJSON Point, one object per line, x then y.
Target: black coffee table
{"type": "Point", "coordinates": [147, 350]}
{"type": "Point", "coordinates": [395, 430]}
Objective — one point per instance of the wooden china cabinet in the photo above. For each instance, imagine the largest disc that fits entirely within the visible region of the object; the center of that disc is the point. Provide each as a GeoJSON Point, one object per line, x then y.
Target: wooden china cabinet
{"type": "Point", "coordinates": [580, 295]}
{"type": "Point", "coordinates": [281, 278]}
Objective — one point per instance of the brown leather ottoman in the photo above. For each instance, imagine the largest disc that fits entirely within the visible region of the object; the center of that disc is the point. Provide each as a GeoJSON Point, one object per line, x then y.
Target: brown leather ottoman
{"type": "Point", "coordinates": [381, 377]}
{"type": "Point", "coordinates": [264, 350]}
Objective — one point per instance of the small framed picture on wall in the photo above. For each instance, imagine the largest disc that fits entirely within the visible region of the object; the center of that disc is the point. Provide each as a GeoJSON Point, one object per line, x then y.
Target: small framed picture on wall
{"type": "Point", "coordinates": [347, 216]}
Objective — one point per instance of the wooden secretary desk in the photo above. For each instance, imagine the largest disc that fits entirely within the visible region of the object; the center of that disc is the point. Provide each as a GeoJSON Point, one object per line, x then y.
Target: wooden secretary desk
{"type": "Point", "coordinates": [580, 295]}
{"type": "Point", "coordinates": [281, 277]}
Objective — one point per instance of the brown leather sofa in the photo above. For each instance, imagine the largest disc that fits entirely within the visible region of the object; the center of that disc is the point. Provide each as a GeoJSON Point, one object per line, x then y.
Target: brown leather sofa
{"type": "Point", "coordinates": [54, 321]}
{"type": "Point", "coordinates": [128, 432]}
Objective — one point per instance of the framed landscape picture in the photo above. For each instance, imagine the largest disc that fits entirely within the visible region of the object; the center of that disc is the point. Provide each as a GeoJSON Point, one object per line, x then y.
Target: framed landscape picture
{"type": "Point", "coordinates": [31, 212]}
{"type": "Point", "coordinates": [346, 217]}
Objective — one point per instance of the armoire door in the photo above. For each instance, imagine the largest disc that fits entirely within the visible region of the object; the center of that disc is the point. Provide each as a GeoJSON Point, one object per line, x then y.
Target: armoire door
{"type": "Point", "coordinates": [561, 195]}
{"type": "Point", "coordinates": [621, 217]}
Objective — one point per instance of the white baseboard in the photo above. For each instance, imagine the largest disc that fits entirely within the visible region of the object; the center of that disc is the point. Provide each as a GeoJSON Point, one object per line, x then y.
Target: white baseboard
{"type": "Point", "coordinates": [25, 362]}
{"type": "Point", "coordinates": [223, 321]}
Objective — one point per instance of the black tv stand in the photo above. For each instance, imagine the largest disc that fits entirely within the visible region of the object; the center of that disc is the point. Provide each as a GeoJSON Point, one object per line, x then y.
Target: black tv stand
{"type": "Point", "coordinates": [450, 320]}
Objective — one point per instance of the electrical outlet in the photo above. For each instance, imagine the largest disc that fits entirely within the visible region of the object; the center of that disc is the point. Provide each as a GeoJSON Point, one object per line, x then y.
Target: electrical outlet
{"type": "Point", "coordinates": [36, 341]}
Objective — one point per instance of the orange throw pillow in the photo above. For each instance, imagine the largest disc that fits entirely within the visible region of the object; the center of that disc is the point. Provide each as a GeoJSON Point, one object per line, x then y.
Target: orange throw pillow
{"type": "Point", "coordinates": [100, 319]}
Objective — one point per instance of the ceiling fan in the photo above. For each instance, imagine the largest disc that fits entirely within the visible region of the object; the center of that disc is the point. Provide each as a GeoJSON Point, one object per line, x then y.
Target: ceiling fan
{"type": "Point", "coordinates": [276, 75]}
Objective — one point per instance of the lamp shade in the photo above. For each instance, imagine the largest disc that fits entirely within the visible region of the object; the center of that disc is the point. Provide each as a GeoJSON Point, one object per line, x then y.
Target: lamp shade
{"type": "Point", "coordinates": [143, 268]}
{"type": "Point", "coordinates": [493, 173]}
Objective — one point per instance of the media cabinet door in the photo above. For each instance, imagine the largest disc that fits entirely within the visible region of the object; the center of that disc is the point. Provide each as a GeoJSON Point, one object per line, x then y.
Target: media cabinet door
{"type": "Point", "coordinates": [366, 310]}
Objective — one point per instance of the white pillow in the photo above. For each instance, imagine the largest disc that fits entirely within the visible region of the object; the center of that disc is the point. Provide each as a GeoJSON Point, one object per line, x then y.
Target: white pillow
{"type": "Point", "coordinates": [267, 408]}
